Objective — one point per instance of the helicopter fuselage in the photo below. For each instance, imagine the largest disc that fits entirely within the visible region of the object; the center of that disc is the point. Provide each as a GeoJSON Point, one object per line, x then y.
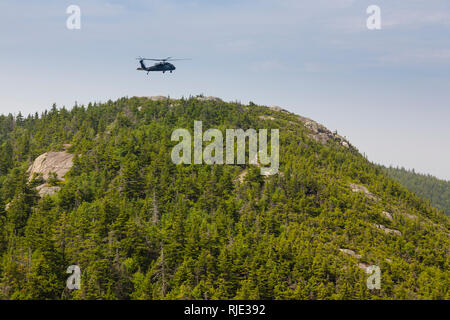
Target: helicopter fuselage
{"type": "Point", "coordinates": [160, 66]}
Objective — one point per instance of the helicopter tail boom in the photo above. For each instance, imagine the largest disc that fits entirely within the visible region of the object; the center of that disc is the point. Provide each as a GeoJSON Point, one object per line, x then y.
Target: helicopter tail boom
{"type": "Point", "coordinates": [142, 64]}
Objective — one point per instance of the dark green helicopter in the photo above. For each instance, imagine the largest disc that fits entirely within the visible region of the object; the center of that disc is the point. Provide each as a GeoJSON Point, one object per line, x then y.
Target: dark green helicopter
{"type": "Point", "coordinates": [161, 65]}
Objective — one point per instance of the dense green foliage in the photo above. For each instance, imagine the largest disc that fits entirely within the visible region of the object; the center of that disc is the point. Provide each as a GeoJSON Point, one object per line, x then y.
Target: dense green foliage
{"type": "Point", "coordinates": [425, 186]}
{"type": "Point", "coordinates": [141, 227]}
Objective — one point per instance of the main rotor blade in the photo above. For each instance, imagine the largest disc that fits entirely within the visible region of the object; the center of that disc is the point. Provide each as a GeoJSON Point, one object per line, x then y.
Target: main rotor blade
{"type": "Point", "coordinates": [153, 59]}
{"type": "Point", "coordinates": [166, 59]}
{"type": "Point", "coordinates": [179, 59]}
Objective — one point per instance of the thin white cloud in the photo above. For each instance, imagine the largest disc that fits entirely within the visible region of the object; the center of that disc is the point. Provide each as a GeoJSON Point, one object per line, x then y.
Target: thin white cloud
{"type": "Point", "coordinates": [268, 65]}
{"type": "Point", "coordinates": [416, 19]}
{"type": "Point", "coordinates": [421, 56]}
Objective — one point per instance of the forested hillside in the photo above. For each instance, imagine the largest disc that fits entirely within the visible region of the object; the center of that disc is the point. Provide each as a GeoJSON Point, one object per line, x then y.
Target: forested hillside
{"type": "Point", "coordinates": [141, 227]}
{"type": "Point", "coordinates": [425, 186]}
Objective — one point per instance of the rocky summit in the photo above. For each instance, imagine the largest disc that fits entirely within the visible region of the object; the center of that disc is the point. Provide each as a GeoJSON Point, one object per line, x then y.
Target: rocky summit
{"type": "Point", "coordinates": [95, 189]}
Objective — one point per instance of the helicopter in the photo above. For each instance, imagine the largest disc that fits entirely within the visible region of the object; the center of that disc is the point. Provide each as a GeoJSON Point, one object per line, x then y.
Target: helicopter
{"type": "Point", "coordinates": [162, 64]}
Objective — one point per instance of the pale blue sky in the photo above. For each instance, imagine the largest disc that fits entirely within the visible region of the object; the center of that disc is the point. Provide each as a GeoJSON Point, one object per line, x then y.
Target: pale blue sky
{"type": "Point", "coordinates": [387, 91]}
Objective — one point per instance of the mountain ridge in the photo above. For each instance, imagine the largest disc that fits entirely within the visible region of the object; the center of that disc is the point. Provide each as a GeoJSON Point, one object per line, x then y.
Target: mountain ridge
{"type": "Point", "coordinates": [141, 227]}
{"type": "Point", "coordinates": [428, 187]}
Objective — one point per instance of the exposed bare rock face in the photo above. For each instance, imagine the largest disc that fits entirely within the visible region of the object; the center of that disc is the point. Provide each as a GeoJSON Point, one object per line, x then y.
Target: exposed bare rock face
{"type": "Point", "coordinates": [363, 266]}
{"type": "Point", "coordinates": [387, 215]}
{"type": "Point", "coordinates": [210, 98]}
{"type": "Point", "coordinates": [359, 188]}
{"type": "Point", "coordinates": [157, 98]}
{"type": "Point", "coordinates": [321, 134]}
{"type": "Point", "coordinates": [350, 253]}
{"type": "Point", "coordinates": [318, 131]}
{"type": "Point", "coordinates": [266, 118]}
{"type": "Point", "coordinates": [49, 162]}
{"type": "Point", "coordinates": [57, 162]}
{"type": "Point", "coordinates": [279, 109]}
{"type": "Point", "coordinates": [387, 230]}
{"type": "Point", "coordinates": [44, 190]}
